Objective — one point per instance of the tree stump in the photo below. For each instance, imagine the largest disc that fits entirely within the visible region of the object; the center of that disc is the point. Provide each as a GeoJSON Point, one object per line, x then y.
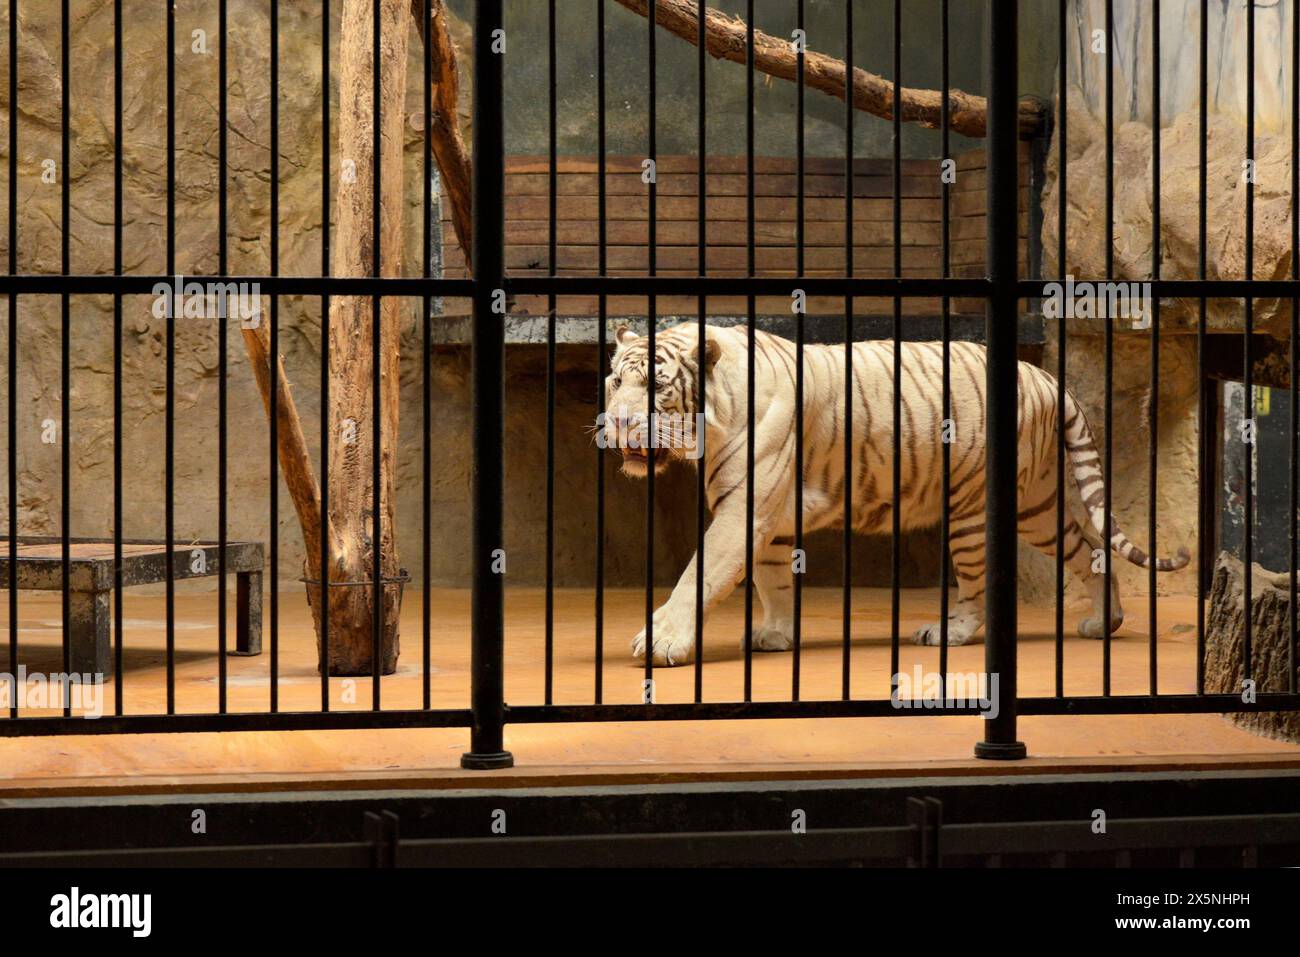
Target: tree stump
{"type": "Point", "coordinates": [1270, 641]}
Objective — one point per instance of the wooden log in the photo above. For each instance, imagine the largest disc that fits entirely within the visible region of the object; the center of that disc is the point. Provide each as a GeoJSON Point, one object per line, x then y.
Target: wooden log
{"type": "Point", "coordinates": [1270, 641]}
{"type": "Point", "coordinates": [448, 145]}
{"type": "Point", "coordinates": [725, 38]}
{"type": "Point", "coordinates": [352, 520]}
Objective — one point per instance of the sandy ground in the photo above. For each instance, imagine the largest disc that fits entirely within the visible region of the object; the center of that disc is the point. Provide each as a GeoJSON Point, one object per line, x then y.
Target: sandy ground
{"type": "Point", "coordinates": [631, 751]}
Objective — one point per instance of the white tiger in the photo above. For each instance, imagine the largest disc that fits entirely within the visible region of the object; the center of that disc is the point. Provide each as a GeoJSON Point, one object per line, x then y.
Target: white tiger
{"type": "Point", "coordinates": [725, 357]}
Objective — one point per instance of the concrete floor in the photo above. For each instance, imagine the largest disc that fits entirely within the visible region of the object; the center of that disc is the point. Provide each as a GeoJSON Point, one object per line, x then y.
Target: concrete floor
{"type": "Point", "coordinates": [634, 751]}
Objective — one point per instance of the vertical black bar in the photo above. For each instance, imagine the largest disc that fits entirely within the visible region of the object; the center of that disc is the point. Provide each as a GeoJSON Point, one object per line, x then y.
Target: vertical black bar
{"type": "Point", "coordinates": [117, 359]}
{"type": "Point", "coordinates": [702, 214]}
{"type": "Point", "coordinates": [753, 336]}
{"type": "Point", "coordinates": [945, 242]}
{"type": "Point", "coordinates": [800, 264]}
{"type": "Point", "coordinates": [1293, 481]}
{"type": "Point", "coordinates": [1154, 405]}
{"type": "Point", "coordinates": [324, 592]}
{"type": "Point", "coordinates": [849, 390]}
{"type": "Point", "coordinates": [65, 341]}
{"type": "Point", "coordinates": [273, 362]}
{"type": "Point", "coordinates": [896, 527]}
{"type": "Point", "coordinates": [169, 441]}
{"type": "Point", "coordinates": [11, 402]}
{"type": "Point", "coordinates": [487, 385]}
{"type": "Point", "coordinates": [601, 348]}
{"type": "Point", "coordinates": [552, 245]}
{"type": "Point", "coordinates": [651, 431]}
{"type": "Point", "coordinates": [1110, 343]}
{"type": "Point", "coordinates": [1062, 252]}
{"type": "Point", "coordinates": [1248, 371]}
{"type": "Point", "coordinates": [223, 266]}
{"type": "Point", "coordinates": [376, 353]}
{"type": "Point", "coordinates": [1207, 429]}
{"type": "Point", "coordinates": [426, 495]}
{"type": "Point", "coordinates": [1001, 387]}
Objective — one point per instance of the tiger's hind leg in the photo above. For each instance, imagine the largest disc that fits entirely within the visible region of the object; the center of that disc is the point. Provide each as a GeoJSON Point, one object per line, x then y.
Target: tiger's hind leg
{"type": "Point", "coordinates": [1080, 548]}
{"type": "Point", "coordinates": [966, 615]}
{"type": "Point", "coordinates": [1082, 566]}
{"type": "Point", "coordinates": [774, 582]}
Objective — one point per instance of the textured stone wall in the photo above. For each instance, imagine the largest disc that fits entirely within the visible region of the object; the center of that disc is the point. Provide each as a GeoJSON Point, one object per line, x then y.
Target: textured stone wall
{"type": "Point", "coordinates": [1131, 238]}
{"type": "Point", "coordinates": [90, 177]}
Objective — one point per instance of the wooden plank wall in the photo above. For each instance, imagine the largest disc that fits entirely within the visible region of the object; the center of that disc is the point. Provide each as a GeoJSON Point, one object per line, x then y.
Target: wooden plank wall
{"type": "Point", "coordinates": [627, 204]}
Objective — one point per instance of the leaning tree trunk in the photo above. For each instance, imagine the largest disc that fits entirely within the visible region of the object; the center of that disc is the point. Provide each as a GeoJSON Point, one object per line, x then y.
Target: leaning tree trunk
{"type": "Point", "coordinates": [351, 516]}
{"type": "Point", "coordinates": [1270, 638]}
{"type": "Point", "coordinates": [448, 144]}
{"type": "Point", "coordinates": [294, 455]}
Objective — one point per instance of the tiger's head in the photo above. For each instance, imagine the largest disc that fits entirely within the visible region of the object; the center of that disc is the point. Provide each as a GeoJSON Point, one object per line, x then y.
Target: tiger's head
{"type": "Point", "coordinates": [673, 432]}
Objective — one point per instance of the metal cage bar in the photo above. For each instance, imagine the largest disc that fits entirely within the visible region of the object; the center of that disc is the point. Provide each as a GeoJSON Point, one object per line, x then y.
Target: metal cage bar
{"type": "Point", "coordinates": [118, 691]}
{"type": "Point", "coordinates": [325, 270]}
{"type": "Point", "coordinates": [1108, 453]}
{"type": "Point", "coordinates": [1062, 257]}
{"type": "Point", "coordinates": [701, 322]}
{"type": "Point", "coordinates": [1248, 371]}
{"type": "Point", "coordinates": [1153, 437]}
{"type": "Point", "coordinates": [487, 695]}
{"type": "Point", "coordinates": [11, 401]}
{"type": "Point", "coordinates": [1293, 443]}
{"type": "Point", "coordinates": [552, 243]}
{"type": "Point", "coordinates": [1001, 385]}
{"type": "Point", "coordinates": [652, 355]}
{"type": "Point", "coordinates": [602, 362]}
{"type": "Point", "coordinates": [273, 370]}
{"type": "Point", "coordinates": [800, 268]}
{"type": "Point", "coordinates": [846, 636]}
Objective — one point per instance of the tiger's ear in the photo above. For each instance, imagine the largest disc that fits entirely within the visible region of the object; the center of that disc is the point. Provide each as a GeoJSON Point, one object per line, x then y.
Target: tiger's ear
{"type": "Point", "coordinates": [623, 336]}
{"type": "Point", "coordinates": [712, 352]}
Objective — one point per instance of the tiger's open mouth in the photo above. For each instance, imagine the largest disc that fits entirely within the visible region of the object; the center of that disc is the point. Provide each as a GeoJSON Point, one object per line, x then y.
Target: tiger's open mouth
{"type": "Point", "coordinates": [636, 462]}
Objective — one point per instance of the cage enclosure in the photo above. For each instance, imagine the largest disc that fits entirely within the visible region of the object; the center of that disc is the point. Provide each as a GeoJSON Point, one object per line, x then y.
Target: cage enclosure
{"type": "Point", "coordinates": [982, 325]}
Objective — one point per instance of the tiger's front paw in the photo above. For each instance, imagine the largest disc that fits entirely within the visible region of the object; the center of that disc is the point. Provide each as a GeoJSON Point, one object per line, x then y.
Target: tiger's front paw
{"type": "Point", "coordinates": [959, 633]}
{"type": "Point", "coordinates": [674, 642]}
{"type": "Point", "coordinates": [778, 637]}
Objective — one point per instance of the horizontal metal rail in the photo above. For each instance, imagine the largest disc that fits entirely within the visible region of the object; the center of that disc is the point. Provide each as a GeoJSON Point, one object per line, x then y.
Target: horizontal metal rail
{"type": "Point", "coordinates": [600, 713]}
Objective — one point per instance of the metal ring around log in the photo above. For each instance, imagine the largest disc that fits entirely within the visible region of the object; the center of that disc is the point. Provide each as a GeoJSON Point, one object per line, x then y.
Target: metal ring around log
{"type": "Point", "coordinates": [401, 579]}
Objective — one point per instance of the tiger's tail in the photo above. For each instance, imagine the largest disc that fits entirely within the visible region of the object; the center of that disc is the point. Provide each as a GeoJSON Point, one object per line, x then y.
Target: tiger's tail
{"type": "Point", "coordinates": [1085, 463]}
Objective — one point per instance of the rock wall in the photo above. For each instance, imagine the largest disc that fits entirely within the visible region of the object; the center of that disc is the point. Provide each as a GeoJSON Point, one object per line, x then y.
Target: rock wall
{"type": "Point", "coordinates": [90, 177]}
{"type": "Point", "coordinates": [1131, 238]}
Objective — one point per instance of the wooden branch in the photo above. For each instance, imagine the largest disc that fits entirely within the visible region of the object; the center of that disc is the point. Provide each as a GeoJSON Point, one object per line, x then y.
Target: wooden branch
{"type": "Point", "coordinates": [295, 457]}
{"type": "Point", "coordinates": [448, 144]}
{"type": "Point", "coordinates": [725, 38]}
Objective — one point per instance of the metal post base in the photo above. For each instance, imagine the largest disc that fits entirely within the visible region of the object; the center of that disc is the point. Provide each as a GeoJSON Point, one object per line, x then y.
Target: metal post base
{"type": "Point", "coordinates": [492, 761]}
{"type": "Point", "coordinates": [1000, 751]}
